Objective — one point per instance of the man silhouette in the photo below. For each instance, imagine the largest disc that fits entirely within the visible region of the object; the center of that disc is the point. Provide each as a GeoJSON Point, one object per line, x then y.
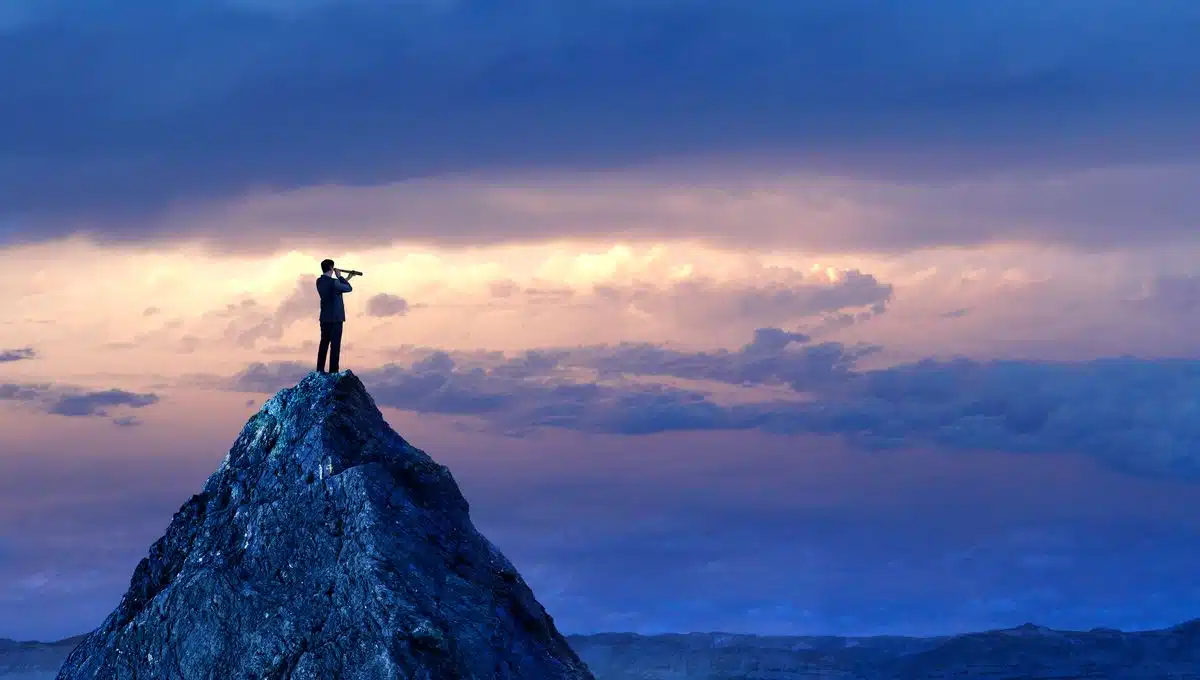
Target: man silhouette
{"type": "Point", "coordinates": [330, 286]}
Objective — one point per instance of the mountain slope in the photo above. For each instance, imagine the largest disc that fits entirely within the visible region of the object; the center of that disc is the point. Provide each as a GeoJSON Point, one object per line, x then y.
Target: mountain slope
{"type": "Point", "coordinates": [325, 546]}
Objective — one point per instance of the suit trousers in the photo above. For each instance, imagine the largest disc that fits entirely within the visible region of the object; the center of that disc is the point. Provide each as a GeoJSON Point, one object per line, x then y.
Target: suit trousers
{"type": "Point", "coordinates": [331, 344]}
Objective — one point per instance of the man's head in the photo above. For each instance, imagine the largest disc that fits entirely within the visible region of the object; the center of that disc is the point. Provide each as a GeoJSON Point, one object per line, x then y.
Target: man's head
{"type": "Point", "coordinates": [326, 266]}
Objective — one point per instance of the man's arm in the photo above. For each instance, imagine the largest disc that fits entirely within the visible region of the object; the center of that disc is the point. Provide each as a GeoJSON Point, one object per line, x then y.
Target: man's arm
{"type": "Point", "coordinates": [343, 286]}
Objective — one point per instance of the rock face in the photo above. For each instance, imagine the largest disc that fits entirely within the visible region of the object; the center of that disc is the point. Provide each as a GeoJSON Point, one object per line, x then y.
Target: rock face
{"type": "Point", "coordinates": [325, 546]}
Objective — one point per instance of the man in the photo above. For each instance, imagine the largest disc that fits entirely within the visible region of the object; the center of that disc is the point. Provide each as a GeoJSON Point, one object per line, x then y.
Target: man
{"type": "Point", "coordinates": [330, 286]}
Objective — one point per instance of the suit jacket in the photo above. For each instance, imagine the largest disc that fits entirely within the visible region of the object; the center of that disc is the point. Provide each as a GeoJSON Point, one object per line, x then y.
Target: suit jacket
{"type": "Point", "coordinates": [330, 290]}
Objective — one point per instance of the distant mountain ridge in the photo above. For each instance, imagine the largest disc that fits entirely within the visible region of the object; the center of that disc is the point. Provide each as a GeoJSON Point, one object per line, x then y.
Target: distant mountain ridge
{"type": "Point", "coordinates": [1026, 652]}
{"type": "Point", "coordinates": [34, 660]}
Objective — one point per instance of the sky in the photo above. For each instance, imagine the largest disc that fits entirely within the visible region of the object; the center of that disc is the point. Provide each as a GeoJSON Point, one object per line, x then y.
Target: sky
{"type": "Point", "coordinates": [790, 317]}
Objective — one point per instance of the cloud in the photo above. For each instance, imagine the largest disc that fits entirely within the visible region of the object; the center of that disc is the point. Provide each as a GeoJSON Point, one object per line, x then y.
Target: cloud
{"type": "Point", "coordinates": [204, 101]}
{"type": "Point", "coordinates": [1135, 415]}
{"type": "Point", "coordinates": [250, 322]}
{"type": "Point", "coordinates": [1099, 206]}
{"type": "Point", "coordinates": [74, 401]}
{"type": "Point", "coordinates": [22, 354]}
{"type": "Point", "coordinates": [436, 384]}
{"type": "Point", "coordinates": [386, 305]}
{"type": "Point", "coordinates": [769, 359]}
{"type": "Point", "coordinates": [608, 295]}
{"type": "Point", "coordinates": [269, 377]}
{"type": "Point", "coordinates": [98, 403]}
{"type": "Point", "coordinates": [702, 301]}
{"type": "Point", "coordinates": [662, 298]}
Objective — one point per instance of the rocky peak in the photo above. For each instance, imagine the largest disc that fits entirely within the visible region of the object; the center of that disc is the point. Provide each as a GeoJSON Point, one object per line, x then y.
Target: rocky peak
{"type": "Point", "coordinates": [326, 546]}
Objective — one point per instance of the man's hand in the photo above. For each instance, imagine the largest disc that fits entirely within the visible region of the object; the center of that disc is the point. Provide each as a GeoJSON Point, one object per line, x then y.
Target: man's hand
{"type": "Point", "coordinates": [350, 276]}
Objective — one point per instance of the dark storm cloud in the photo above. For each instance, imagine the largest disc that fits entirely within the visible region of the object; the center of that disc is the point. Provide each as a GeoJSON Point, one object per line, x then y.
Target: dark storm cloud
{"type": "Point", "coordinates": [22, 354]}
{"type": "Point", "coordinates": [118, 109]}
{"type": "Point", "coordinates": [386, 305]}
{"type": "Point", "coordinates": [74, 401]}
{"type": "Point", "coordinates": [1136, 415]}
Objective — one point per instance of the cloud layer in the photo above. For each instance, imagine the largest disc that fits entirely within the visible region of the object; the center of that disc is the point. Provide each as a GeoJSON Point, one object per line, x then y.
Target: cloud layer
{"type": "Point", "coordinates": [386, 305]}
{"type": "Point", "coordinates": [1133, 414]}
{"type": "Point", "coordinates": [156, 109]}
{"type": "Point", "coordinates": [654, 298]}
{"type": "Point", "coordinates": [22, 354]}
{"type": "Point", "coordinates": [65, 400]}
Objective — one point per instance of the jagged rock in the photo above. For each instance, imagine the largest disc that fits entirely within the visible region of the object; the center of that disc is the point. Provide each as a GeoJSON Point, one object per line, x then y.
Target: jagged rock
{"type": "Point", "coordinates": [325, 546]}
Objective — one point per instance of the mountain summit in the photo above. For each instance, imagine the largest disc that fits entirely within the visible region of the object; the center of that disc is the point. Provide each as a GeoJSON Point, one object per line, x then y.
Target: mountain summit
{"type": "Point", "coordinates": [325, 546]}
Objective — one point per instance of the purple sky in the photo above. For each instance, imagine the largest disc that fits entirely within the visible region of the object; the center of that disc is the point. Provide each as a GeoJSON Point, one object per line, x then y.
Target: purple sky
{"type": "Point", "coordinates": [818, 317]}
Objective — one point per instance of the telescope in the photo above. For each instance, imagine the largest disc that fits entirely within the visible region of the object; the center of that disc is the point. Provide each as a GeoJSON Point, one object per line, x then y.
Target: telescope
{"type": "Point", "coordinates": [347, 271]}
